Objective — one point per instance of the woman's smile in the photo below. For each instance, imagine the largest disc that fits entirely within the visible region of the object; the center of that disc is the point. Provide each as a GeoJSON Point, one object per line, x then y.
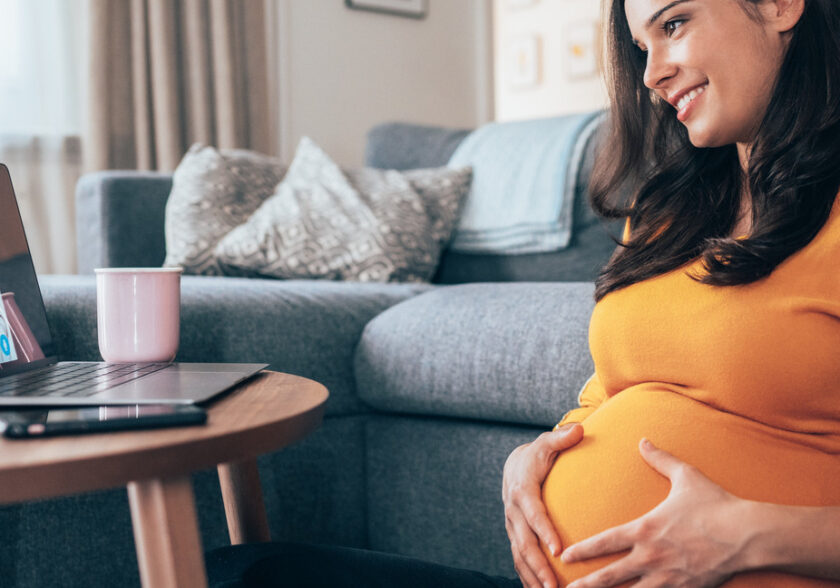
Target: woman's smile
{"type": "Point", "coordinates": [686, 104]}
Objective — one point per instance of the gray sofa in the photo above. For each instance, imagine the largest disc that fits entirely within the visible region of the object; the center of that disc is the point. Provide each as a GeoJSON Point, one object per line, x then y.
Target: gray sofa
{"type": "Point", "coordinates": [431, 386]}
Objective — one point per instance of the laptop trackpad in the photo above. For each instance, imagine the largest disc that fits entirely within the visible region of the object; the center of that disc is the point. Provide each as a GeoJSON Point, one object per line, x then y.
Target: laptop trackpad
{"type": "Point", "coordinates": [173, 385]}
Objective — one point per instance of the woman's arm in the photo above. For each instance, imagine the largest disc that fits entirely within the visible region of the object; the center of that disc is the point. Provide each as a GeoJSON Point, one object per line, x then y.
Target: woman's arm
{"type": "Point", "coordinates": [700, 535]}
{"type": "Point", "coordinates": [797, 539]}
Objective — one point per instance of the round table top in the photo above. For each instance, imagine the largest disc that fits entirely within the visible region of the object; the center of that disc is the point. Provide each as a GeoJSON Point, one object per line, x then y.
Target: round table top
{"type": "Point", "coordinates": [260, 415]}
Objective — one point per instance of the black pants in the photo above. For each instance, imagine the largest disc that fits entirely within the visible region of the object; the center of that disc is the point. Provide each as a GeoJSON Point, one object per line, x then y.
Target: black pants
{"type": "Point", "coordinates": [297, 565]}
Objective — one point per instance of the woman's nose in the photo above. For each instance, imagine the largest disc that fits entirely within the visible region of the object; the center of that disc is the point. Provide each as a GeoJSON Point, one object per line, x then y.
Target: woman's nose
{"type": "Point", "coordinates": [659, 69]}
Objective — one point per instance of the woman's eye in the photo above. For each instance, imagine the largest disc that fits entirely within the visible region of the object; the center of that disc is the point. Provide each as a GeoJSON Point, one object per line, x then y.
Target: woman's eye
{"type": "Point", "coordinates": [671, 26]}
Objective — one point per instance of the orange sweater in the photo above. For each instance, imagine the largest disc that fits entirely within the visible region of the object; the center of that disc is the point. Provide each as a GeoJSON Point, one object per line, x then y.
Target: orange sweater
{"type": "Point", "coordinates": [742, 382]}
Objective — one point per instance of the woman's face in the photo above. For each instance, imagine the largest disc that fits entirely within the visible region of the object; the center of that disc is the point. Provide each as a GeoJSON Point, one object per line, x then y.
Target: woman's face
{"type": "Point", "coordinates": [714, 62]}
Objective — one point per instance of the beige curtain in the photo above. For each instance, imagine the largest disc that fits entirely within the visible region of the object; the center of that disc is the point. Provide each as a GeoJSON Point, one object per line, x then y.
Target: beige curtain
{"type": "Point", "coordinates": [44, 171]}
{"type": "Point", "coordinates": [167, 73]}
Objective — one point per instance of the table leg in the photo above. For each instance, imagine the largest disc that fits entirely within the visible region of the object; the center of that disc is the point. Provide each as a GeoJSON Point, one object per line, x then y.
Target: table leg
{"type": "Point", "coordinates": [166, 533]}
{"type": "Point", "coordinates": [244, 507]}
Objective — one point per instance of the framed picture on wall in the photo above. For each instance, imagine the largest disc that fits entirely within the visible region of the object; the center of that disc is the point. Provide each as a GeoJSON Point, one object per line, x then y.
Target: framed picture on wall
{"type": "Point", "coordinates": [523, 55]}
{"type": "Point", "coordinates": [411, 8]}
{"type": "Point", "coordinates": [517, 4]}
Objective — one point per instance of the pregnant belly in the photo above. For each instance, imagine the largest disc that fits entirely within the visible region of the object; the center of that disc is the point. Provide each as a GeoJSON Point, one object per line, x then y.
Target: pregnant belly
{"type": "Point", "coordinates": [603, 481]}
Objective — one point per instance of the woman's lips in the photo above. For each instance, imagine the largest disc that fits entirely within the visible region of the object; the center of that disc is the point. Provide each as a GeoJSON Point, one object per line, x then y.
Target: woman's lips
{"type": "Point", "coordinates": [689, 102]}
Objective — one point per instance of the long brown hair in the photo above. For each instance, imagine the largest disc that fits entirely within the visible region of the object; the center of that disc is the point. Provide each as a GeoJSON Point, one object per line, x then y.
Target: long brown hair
{"type": "Point", "coordinates": [683, 201]}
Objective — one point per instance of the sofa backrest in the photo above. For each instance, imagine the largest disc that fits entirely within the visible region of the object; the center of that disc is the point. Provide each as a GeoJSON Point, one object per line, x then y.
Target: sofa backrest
{"type": "Point", "coordinates": [407, 146]}
{"type": "Point", "coordinates": [119, 219]}
{"type": "Point", "coordinates": [120, 215]}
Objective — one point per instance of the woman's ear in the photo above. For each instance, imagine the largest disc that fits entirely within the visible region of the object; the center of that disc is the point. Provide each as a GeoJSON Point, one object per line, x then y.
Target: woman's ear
{"type": "Point", "coordinates": [782, 15]}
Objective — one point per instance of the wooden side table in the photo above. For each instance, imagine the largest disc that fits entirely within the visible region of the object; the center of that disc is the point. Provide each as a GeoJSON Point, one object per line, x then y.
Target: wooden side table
{"type": "Point", "coordinates": [261, 415]}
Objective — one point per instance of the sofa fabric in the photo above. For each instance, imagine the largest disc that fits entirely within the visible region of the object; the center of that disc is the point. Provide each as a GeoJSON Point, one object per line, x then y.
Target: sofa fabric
{"type": "Point", "coordinates": [120, 219]}
{"type": "Point", "coordinates": [408, 146]}
{"type": "Point", "coordinates": [512, 353]}
{"type": "Point", "coordinates": [435, 490]}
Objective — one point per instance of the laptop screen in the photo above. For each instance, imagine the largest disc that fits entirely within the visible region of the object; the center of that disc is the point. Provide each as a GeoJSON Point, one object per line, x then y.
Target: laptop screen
{"type": "Point", "coordinates": [25, 339]}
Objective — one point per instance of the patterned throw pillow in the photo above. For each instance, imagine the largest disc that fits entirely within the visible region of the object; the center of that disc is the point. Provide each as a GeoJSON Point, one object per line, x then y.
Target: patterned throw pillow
{"type": "Point", "coordinates": [364, 225]}
{"type": "Point", "coordinates": [213, 192]}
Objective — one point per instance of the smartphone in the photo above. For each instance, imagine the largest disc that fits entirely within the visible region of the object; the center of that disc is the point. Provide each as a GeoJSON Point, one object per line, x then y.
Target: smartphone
{"type": "Point", "coordinates": [20, 424]}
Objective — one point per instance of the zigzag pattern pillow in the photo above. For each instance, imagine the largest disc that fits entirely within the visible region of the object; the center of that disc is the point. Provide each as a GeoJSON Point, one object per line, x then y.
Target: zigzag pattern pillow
{"type": "Point", "coordinates": [362, 225]}
{"type": "Point", "coordinates": [212, 193]}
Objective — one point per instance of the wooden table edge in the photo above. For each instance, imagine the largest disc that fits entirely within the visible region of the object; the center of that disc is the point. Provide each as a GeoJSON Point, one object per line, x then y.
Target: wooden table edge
{"type": "Point", "coordinates": [39, 482]}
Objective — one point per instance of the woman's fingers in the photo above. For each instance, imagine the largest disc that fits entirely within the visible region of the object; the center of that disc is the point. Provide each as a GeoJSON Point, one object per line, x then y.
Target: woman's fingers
{"type": "Point", "coordinates": [564, 437]}
{"type": "Point", "coordinates": [604, 543]}
{"type": "Point", "coordinates": [611, 575]}
{"type": "Point", "coordinates": [529, 552]}
{"type": "Point", "coordinates": [536, 516]}
{"type": "Point", "coordinates": [526, 575]}
{"type": "Point", "coordinates": [526, 519]}
{"type": "Point", "coordinates": [660, 460]}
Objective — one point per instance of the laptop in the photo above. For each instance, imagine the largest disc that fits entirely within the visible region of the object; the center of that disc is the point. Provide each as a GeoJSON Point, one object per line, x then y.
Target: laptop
{"type": "Point", "coordinates": [30, 373]}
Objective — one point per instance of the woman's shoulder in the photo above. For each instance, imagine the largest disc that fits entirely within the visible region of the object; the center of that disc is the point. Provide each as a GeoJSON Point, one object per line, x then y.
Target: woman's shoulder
{"type": "Point", "coordinates": [829, 234]}
{"type": "Point", "coordinates": [823, 252]}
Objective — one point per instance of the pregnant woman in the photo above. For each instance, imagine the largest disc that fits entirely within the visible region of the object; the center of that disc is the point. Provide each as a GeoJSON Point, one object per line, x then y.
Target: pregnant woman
{"type": "Point", "coordinates": [706, 449]}
{"type": "Point", "coordinates": [716, 335]}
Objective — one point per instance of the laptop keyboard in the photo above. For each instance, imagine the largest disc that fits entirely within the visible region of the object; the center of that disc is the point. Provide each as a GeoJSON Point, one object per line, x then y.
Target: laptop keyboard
{"type": "Point", "coordinates": [77, 380]}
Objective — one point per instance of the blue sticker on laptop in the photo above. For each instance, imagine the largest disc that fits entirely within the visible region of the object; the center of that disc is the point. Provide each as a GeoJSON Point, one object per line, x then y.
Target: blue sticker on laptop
{"type": "Point", "coordinates": [7, 345]}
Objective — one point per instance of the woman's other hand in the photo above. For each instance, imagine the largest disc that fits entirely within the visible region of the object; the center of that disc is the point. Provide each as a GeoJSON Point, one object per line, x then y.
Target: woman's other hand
{"type": "Point", "coordinates": [692, 538]}
{"type": "Point", "coordinates": [526, 519]}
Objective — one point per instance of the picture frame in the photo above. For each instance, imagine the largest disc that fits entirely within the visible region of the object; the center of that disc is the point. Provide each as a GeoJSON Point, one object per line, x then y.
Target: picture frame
{"type": "Point", "coordinates": [520, 4]}
{"type": "Point", "coordinates": [581, 50]}
{"type": "Point", "coordinates": [410, 8]}
{"type": "Point", "coordinates": [524, 61]}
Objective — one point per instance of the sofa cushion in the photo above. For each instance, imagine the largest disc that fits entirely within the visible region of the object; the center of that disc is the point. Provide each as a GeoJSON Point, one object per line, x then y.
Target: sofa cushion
{"type": "Point", "coordinates": [364, 225]}
{"type": "Point", "coordinates": [212, 192]}
{"type": "Point", "coordinates": [505, 352]}
{"type": "Point", "coordinates": [304, 328]}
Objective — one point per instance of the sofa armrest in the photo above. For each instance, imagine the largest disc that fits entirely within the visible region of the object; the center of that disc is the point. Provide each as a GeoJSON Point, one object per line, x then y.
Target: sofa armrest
{"type": "Point", "coordinates": [119, 219]}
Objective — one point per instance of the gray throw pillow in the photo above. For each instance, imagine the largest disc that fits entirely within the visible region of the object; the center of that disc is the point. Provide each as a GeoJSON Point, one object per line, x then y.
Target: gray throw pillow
{"type": "Point", "coordinates": [364, 225]}
{"type": "Point", "coordinates": [212, 192]}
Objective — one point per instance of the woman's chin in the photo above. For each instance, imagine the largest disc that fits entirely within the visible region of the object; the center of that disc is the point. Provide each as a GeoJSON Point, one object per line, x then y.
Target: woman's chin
{"type": "Point", "coordinates": [703, 137]}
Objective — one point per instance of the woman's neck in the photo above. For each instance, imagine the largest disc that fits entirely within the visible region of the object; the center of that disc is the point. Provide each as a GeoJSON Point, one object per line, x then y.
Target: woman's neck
{"type": "Point", "coordinates": [744, 150]}
{"type": "Point", "coordinates": [743, 223]}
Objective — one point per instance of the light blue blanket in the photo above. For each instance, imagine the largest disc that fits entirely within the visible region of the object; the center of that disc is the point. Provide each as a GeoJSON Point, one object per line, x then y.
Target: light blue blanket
{"type": "Point", "coordinates": [523, 187]}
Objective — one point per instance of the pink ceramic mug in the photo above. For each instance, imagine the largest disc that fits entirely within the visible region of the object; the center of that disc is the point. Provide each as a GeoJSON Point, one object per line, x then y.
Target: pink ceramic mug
{"type": "Point", "coordinates": [138, 313]}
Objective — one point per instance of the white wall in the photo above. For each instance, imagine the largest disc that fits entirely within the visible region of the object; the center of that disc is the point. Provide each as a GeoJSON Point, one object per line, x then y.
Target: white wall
{"type": "Point", "coordinates": [341, 71]}
{"type": "Point", "coordinates": [558, 90]}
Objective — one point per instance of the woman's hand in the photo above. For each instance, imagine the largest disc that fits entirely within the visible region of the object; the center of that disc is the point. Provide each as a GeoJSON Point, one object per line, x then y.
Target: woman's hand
{"type": "Point", "coordinates": [692, 538]}
{"type": "Point", "coordinates": [526, 519]}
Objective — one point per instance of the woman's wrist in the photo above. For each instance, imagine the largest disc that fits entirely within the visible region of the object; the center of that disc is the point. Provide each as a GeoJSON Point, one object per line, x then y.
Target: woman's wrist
{"type": "Point", "coordinates": [761, 535]}
{"type": "Point", "coordinates": [758, 525]}
{"type": "Point", "coordinates": [802, 540]}
{"type": "Point", "coordinates": [777, 536]}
